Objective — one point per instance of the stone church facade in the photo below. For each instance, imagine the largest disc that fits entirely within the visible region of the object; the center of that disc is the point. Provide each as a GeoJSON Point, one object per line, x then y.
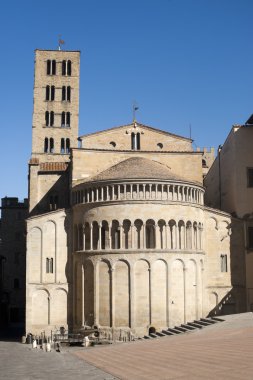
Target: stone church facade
{"type": "Point", "coordinates": [119, 236]}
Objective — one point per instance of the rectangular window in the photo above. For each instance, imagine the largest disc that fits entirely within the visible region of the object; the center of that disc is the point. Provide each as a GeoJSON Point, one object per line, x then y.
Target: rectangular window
{"type": "Point", "coordinates": [49, 265]}
{"type": "Point", "coordinates": [224, 263]}
{"type": "Point", "coordinates": [250, 177]}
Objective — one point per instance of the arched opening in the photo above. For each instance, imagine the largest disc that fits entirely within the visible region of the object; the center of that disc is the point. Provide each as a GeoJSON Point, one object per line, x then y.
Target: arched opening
{"type": "Point", "coordinates": [138, 228]}
{"type": "Point", "coordinates": [150, 234]}
{"type": "Point", "coordinates": [181, 231]}
{"type": "Point", "coordinates": [188, 235]}
{"type": "Point", "coordinates": [115, 235]}
{"type": "Point", "coordinates": [126, 230]}
{"type": "Point", "coordinates": [162, 238]}
{"type": "Point", "coordinates": [69, 68]}
{"type": "Point", "coordinates": [138, 141]}
{"type": "Point", "coordinates": [151, 330]}
{"type": "Point", "coordinates": [105, 235]}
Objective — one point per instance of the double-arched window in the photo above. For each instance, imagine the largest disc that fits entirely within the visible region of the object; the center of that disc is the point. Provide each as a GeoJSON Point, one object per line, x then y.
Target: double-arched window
{"type": "Point", "coordinates": [135, 141]}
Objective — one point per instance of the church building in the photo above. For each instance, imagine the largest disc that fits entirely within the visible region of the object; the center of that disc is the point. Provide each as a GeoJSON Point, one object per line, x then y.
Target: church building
{"type": "Point", "coordinates": [118, 234]}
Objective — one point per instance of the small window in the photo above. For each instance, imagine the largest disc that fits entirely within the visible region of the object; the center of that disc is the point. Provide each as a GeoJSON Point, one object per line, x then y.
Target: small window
{"type": "Point", "coordinates": [204, 164]}
{"type": "Point", "coordinates": [223, 263]}
{"type": "Point", "coordinates": [53, 202]}
{"type": "Point", "coordinates": [113, 144]}
{"type": "Point", "coordinates": [160, 145]}
{"type": "Point", "coordinates": [250, 237]}
{"type": "Point", "coordinates": [46, 145]}
{"type": "Point", "coordinates": [135, 141]}
{"type": "Point", "coordinates": [49, 118]}
{"type": "Point", "coordinates": [62, 145]}
{"type": "Point", "coordinates": [49, 265]}
{"type": "Point", "coordinates": [50, 93]}
{"type": "Point", "coordinates": [250, 177]}
{"type": "Point", "coordinates": [51, 149]}
{"type": "Point", "coordinates": [67, 145]}
{"type": "Point", "coordinates": [51, 67]}
{"type": "Point", "coordinates": [66, 68]}
{"type": "Point", "coordinates": [16, 284]}
{"type": "Point", "coordinates": [65, 119]}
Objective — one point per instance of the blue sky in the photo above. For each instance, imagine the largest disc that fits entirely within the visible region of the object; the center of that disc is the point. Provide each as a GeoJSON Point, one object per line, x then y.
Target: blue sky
{"type": "Point", "coordinates": [183, 61]}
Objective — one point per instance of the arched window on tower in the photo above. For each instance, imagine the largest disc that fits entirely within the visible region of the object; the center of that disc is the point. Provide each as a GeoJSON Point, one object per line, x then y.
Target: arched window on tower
{"type": "Point", "coordinates": [69, 68]}
{"type": "Point", "coordinates": [66, 67]}
{"type": "Point", "coordinates": [46, 145]}
{"type": "Point", "coordinates": [49, 118]}
{"type": "Point", "coordinates": [51, 67]}
{"type": "Point", "coordinates": [50, 93]}
{"type": "Point", "coordinates": [63, 96]}
{"type": "Point", "coordinates": [68, 93]}
{"type": "Point", "coordinates": [51, 149]}
{"type": "Point", "coordinates": [67, 145]}
{"type": "Point", "coordinates": [62, 145]}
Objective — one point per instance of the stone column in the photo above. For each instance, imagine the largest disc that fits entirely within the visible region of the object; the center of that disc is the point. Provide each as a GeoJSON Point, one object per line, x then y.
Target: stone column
{"type": "Point", "coordinates": [131, 189]}
{"type": "Point", "coordinates": [99, 236]}
{"type": "Point", "coordinates": [132, 297]}
{"type": "Point", "coordinates": [112, 275]}
{"type": "Point", "coordinates": [132, 236]}
{"type": "Point", "coordinates": [84, 237]}
{"type": "Point", "coordinates": [113, 192]}
{"type": "Point", "coordinates": [121, 236]}
{"type": "Point", "coordinates": [156, 193]}
{"type": "Point", "coordinates": [110, 235]}
{"type": "Point", "coordinates": [92, 195]}
{"type": "Point", "coordinates": [97, 194]}
{"type": "Point", "coordinates": [157, 237]}
{"type": "Point", "coordinates": [82, 297]}
{"type": "Point", "coordinates": [150, 191]}
{"type": "Point", "coordinates": [150, 296]}
{"type": "Point", "coordinates": [162, 192]}
{"type": "Point", "coordinates": [96, 295]}
{"type": "Point", "coordinates": [144, 236]}
{"type": "Point", "coordinates": [173, 192]}
{"type": "Point", "coordinates": [91, 236]}
{"type": "Point", "coordinates": [184, 270]}
{"type": "Point", "coordinates": [144, 191]}
{"type": "Point", "coordinates": [118, 191]}
{"type": "Point", "coordinates": [125, 193]}
{"type": "Point", "coordinates": [138, 191]}
{"type": "Point", "coordinates": [102, 193]}
{"type": "Point", "coordinates": [166, 235]}
{"type": "Point", "coordinates": [107, 193]}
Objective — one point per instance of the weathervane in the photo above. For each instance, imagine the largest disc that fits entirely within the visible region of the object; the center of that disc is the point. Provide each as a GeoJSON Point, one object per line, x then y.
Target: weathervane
{"type": "Point", "coordinates": [135, 108]}
{"type": "Point", "coordinates": [60, 42]}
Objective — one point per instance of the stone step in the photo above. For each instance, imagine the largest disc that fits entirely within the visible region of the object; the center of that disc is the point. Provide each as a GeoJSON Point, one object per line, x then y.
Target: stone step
{"type": "Point", "coordinates": [202, 323]}
{"type": "Point", "coordinates": [188, 327]}
{"type": "Point", "coordinates": [147, 337]}
{"type": "Point", "coordinates": [166, 332]}
{"type": "Point", "coordinates": [217, 319]}
{"type": "Point", "coordinates": [210, 321]}
{"type": "Point", "coordinates": [170, 329]}
{"type": "Point", "coordinates": [153, 335]}
{"type": "Point", "coordinates": [160, 334]}
{"type": "Point", "coordinates": [196, 325]}
{"type": "Point", "coordinates": [181, 329]}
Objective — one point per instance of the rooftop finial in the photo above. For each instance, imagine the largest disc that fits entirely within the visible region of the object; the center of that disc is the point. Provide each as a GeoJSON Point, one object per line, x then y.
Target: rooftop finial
{"type": "Point", "coordinates": [60, 42]}
{"type": "Point", "coordinates": [135, 108]}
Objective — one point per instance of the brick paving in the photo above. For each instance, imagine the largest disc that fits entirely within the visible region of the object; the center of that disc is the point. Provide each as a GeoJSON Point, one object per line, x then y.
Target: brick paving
{"type": "Point", "coordinates": [222, 351]}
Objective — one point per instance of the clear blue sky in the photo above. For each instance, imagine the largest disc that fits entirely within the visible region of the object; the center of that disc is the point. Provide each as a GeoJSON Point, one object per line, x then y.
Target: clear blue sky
{"type": "Point", "coordinates": [183, 61]}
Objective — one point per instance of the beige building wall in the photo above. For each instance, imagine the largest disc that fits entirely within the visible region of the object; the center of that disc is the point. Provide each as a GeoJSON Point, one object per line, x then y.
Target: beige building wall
{"type": "Point", "coordinates": [48, 272]}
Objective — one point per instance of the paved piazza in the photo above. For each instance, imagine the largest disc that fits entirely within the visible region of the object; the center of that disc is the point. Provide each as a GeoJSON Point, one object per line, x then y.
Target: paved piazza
{"type": "Point", "coordinates": [222, 351]}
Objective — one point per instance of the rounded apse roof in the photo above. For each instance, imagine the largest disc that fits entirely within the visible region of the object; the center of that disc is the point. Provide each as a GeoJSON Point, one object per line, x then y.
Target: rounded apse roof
{"type": "Point", "coordinates": [137, 168]}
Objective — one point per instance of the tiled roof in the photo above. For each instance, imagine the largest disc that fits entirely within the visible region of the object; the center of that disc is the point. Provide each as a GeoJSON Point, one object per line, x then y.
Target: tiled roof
{"type": "Point", "coordinates": [53, 166]}
{"type": "Point", "coordinates": [137, 168]}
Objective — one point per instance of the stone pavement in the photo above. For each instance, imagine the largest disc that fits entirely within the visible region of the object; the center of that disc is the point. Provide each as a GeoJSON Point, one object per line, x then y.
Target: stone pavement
{"type": "Point", "coordinates": [223, 351]}
{"type": "Point", "coordinates": [20, 361]}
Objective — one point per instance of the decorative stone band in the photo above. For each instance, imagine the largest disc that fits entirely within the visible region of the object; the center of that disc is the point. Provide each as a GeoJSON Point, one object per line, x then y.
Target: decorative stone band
{"type": "Point", "coordinates": [138, 191]}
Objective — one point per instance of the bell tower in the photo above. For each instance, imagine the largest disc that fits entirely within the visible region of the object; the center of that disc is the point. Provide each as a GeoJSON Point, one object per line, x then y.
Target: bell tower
{"type": "Point", "coordinates": [54, 127]}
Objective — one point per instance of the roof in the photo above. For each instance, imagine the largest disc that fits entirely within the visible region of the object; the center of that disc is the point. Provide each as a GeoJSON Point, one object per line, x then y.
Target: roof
{"type": "Point", "coordinates": [136, 168]}
{"type": "Point", "coordinates": [138, 125]}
